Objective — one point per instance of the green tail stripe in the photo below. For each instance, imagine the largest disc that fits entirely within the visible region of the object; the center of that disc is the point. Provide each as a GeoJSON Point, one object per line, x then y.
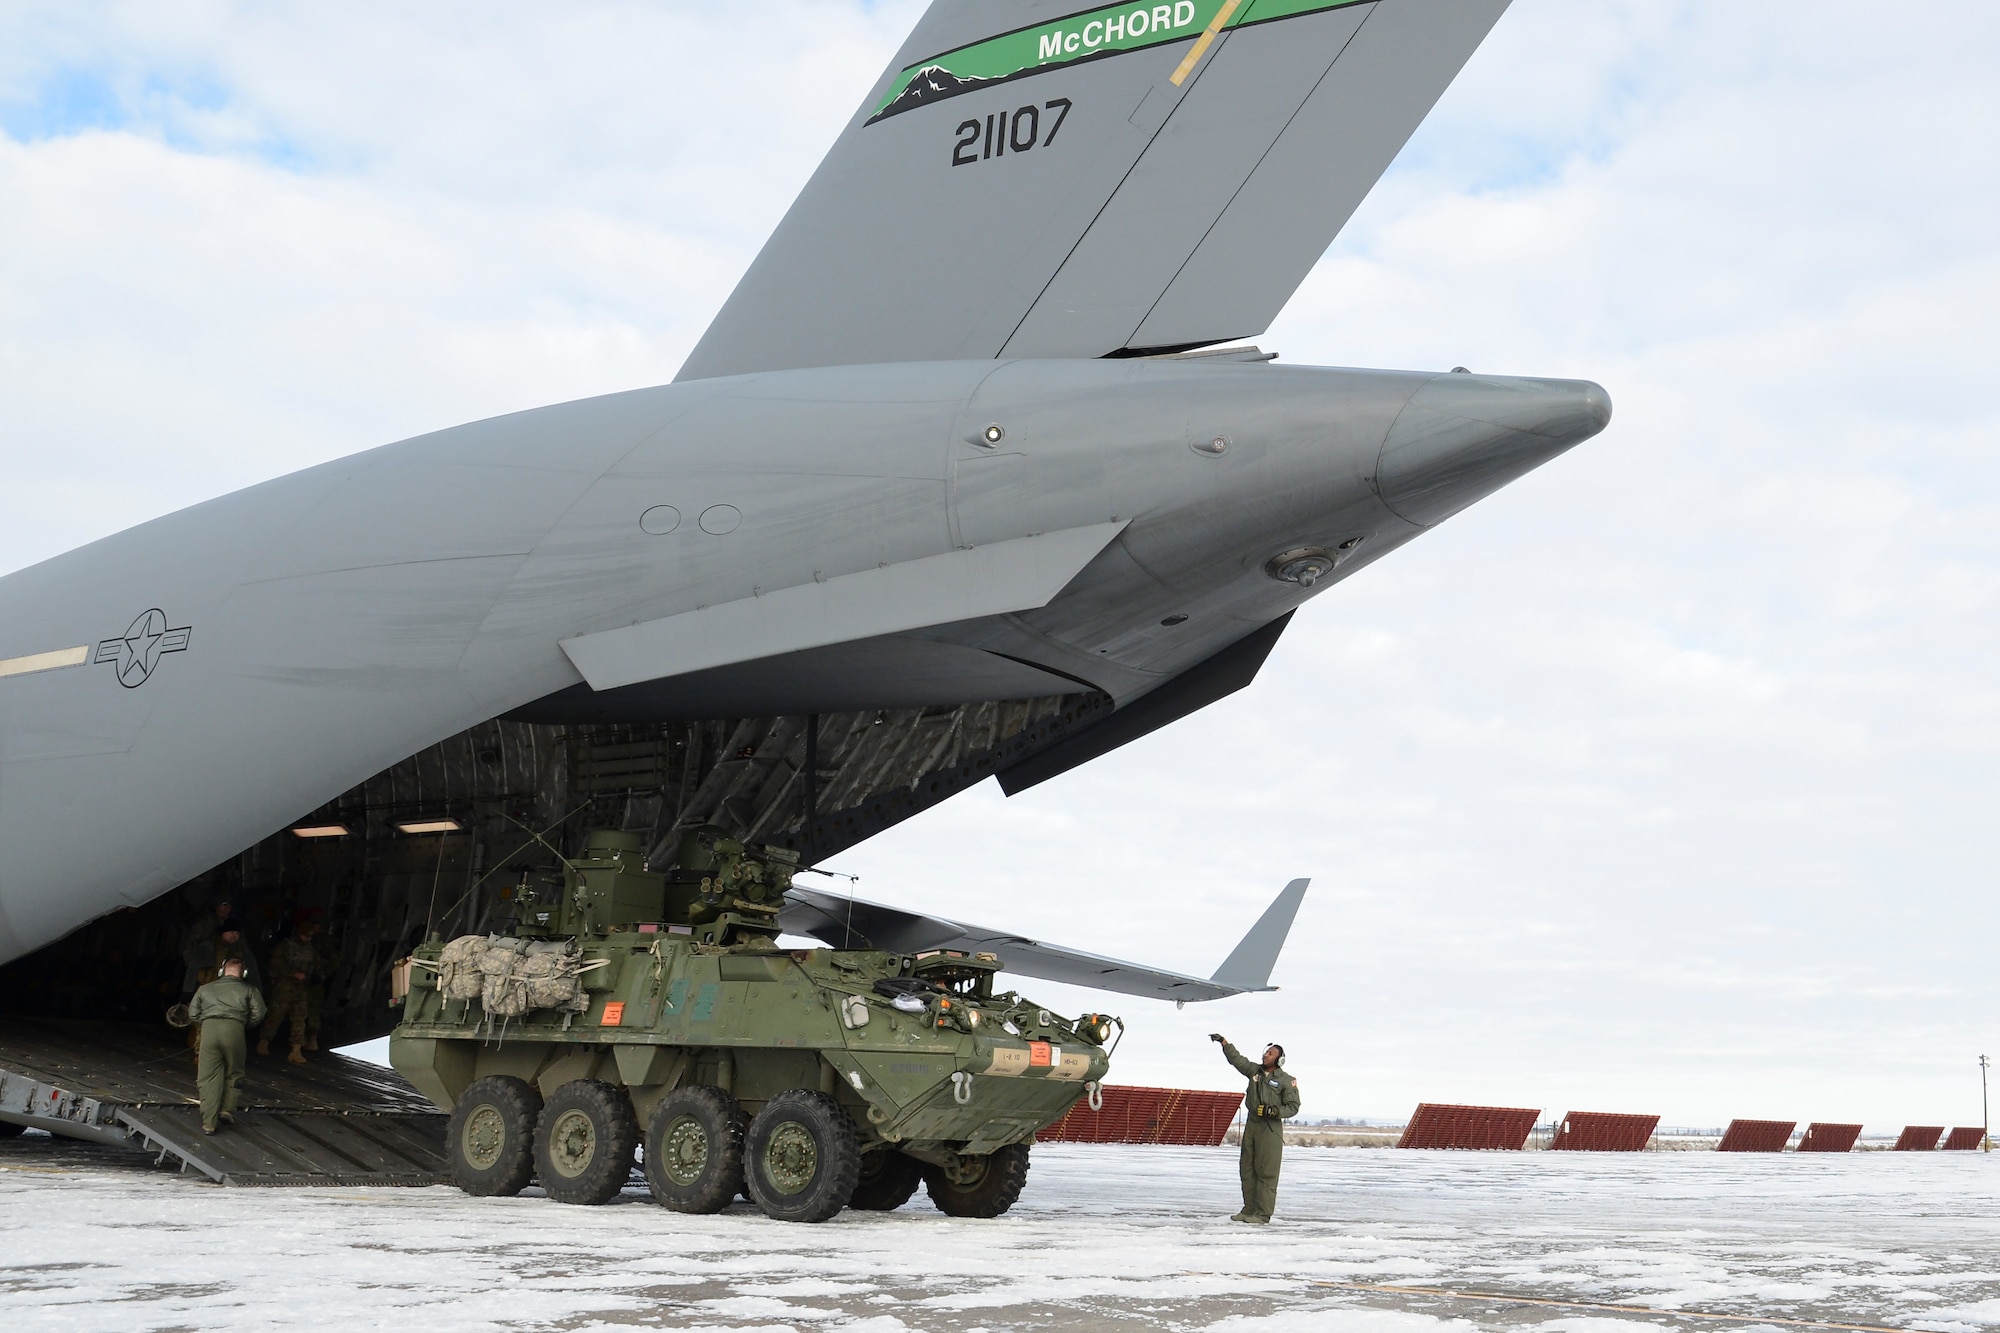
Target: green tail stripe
{"type": "Point", "coordinates": [1090, 35]}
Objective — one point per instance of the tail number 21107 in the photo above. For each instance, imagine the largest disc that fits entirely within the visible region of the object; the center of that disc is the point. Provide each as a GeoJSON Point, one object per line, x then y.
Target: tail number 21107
{"type": "Point", "coordinates": [1004, 132]}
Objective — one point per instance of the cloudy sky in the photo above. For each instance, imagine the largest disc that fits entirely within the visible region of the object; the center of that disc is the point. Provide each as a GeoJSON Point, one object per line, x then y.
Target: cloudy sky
{"type": "Point", "coordinates": [1661, 781]}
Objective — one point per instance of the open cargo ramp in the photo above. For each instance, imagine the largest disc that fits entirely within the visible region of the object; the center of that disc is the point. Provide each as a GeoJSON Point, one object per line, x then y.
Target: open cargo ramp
{"type": "Point", "coordinates": [332, 1121]}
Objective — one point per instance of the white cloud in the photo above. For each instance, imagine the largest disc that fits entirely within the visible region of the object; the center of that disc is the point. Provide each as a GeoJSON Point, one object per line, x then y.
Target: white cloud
{"type": "Point", "coordinates": [1657, 782]}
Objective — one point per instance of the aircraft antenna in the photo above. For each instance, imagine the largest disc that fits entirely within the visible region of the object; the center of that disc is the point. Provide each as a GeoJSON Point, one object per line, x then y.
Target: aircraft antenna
{"type": "Point", "coordinates": [847, 936]}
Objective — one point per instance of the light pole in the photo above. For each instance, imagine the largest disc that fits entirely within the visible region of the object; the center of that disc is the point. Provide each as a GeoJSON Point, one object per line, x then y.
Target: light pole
{"type": "Point", "coordinates": [1985, 1120]}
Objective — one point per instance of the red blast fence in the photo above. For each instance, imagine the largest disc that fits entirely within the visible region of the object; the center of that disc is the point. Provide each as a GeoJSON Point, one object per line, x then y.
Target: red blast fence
{"type": "Point", "coordinates": [1501, 1127]}
{"type": "Point", "coordinates": [1604, 1131]}
{"type": "Point", "coordinates": [1829, 1138]}
{"type": "Point", "coordinates": [1756, 1136]}
{"type": "Point", "coordinates": [1148, 1115]}
{"type": "Point", "coordinates": [1919, 1138]}
{"type": "Point", "coordinates": [1965, 1138]}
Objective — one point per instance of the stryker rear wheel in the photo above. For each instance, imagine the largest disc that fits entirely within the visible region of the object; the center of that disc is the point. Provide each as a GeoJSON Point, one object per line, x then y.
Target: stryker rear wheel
{"type": "Point", "coordinates": [979, 1186]}
{"type": "Point", "coordinates": [489, 1143]}
{"type": "Point", "coordinates": [888, 1179]}
{"type": "Point", "coordinates": [584, 1142]}
{"type": "Point", "coordinates": [801, 1158]}
{"type": "Point", "coordinates": [694, 1150]}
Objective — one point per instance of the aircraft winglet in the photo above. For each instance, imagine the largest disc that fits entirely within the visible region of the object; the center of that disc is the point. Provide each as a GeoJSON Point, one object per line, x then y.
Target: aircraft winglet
{"type": "Point", "coordinates": [847, 923]}
{"type": "Point", "coordinates": [1249, 965]}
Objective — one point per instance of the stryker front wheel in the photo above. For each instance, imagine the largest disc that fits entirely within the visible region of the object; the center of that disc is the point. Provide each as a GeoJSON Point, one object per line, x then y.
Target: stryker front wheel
{"type": "Point", "coordinates": [584, 1143]}
{"type": "Point", "coordinates": [979, 1186]}
{"type": "Point", "coordinates": [694, 1150]}
{"type": "Point", "coordinates": [801, 1158]}
{"type": "Point", "coordinates": [489, 1143]}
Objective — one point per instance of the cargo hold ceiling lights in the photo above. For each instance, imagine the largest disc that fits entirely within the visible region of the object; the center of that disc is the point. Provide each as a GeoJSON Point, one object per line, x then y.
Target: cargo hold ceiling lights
{"type": "Point", "coordinates": [444, 824]}
{"type": "Point", "coordinates": [320, 831]}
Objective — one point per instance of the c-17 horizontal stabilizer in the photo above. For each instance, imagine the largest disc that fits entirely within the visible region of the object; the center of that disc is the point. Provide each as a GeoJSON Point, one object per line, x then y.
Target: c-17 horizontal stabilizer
{"type": "Point", "coordinates": [844, 922]}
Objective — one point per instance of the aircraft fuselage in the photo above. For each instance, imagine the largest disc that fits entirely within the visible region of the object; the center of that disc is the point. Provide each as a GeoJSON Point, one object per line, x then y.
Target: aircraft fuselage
{"type": "Point", "coordinates": [182, 689]}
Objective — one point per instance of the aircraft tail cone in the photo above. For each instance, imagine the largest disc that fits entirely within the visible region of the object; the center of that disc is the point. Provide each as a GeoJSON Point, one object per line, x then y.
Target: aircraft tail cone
{"type": "Point", "coordinates": [1463, 437]}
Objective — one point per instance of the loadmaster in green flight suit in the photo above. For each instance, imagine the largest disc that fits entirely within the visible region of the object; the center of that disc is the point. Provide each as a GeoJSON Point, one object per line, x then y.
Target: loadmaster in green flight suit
{"type": "Point", "coordinates": [1273, 1094]}
{"type": "Point", "coordinates": [225, 1008]}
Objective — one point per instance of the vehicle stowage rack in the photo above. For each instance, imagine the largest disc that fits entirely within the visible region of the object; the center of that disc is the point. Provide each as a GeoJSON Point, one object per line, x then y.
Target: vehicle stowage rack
{"type": "Point", "coordinates": [331, 1121]}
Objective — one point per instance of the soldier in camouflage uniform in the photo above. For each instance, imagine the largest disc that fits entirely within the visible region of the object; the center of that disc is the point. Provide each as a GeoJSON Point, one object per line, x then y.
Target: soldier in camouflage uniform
{"type": "Point", "coordinates": [215, 940]}
{"type": "Point", "coordinates": [295, 965]}
{"type": "Point", "coordinates": [1272, 1096]}
{"type": "Point", "coordinates": [327, 952]}
{"type": "Point", "coordinates": [198, 949]}
{"type": "Point", "coordinates": [222, 1010]}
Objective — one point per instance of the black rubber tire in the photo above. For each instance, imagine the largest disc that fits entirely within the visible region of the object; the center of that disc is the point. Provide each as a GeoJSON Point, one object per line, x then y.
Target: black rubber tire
{"type": "Point", "coordinates": [499, 1115]}
{"type": "Point", "coordinates": [991, 1194]}
{"type": "Point", "coordinates": [723, 1127]}
{"type": "Point", "coordinates": [585, 1141]}
{"type": "Point", "coordinates": [888, 1179]}
{"type": "Point", "coordinates": [792, 1122]}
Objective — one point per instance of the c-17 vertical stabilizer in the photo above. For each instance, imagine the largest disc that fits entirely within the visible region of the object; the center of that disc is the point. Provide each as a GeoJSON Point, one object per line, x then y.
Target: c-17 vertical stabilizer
{"type": "Point", "coordinates": [1037, 179]}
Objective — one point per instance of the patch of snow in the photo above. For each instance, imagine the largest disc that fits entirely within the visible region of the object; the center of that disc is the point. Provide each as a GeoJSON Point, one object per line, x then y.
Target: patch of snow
{"type": "Point", "coordinates": [1105, 1236]}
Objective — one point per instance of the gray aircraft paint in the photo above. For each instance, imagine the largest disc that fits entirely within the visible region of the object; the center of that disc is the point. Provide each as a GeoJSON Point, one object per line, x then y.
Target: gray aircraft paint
{"type": "Point", "coordinates": [344, 617]}
{"type": "Point", "coordinates": [1160, 216]}
{"type": "Point", "coordinates": [1249, 964]}
{"type": "Point", "coordinates": [855, 923]}
{"type": "Point", "coordinates": [986, 579]}
{"type": "Point", "coordinates": [174, 693]}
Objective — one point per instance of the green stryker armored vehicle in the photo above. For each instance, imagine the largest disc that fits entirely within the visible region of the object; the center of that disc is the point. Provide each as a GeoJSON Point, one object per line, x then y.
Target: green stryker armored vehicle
{"type": "Point", "coordinates": [631, 1010]}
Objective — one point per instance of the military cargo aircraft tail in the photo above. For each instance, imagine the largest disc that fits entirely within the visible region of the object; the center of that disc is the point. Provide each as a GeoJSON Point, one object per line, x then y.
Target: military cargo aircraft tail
{"type": "Point", "coordinates": [1039, 179]}
{"type": "Point", "coordinates": [852, 566]}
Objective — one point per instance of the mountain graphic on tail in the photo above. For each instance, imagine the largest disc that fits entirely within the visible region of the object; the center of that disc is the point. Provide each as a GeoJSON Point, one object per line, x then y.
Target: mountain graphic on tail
{"type": "Point", "coordinates": [932, 83]}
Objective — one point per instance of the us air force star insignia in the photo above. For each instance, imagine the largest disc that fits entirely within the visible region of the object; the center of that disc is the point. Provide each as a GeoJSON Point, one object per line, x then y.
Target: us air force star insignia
{"type": "Point", "coordinates": [138, 652]}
